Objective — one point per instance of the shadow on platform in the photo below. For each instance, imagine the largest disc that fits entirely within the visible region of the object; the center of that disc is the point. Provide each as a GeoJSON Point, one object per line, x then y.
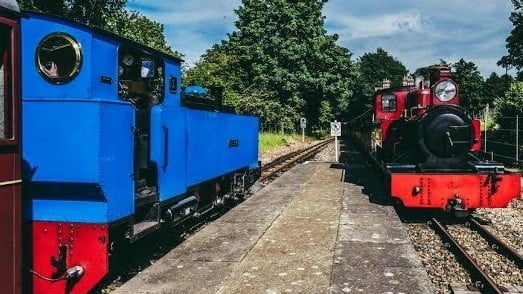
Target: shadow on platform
{"type": "Point", "coordinates": [360, 172]}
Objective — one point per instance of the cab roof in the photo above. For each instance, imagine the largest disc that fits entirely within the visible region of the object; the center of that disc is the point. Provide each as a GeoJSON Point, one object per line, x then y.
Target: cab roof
{"type": "Point", "coordinates": [111, 35]}
{"type": "Point", "coordinates": [395, 89]}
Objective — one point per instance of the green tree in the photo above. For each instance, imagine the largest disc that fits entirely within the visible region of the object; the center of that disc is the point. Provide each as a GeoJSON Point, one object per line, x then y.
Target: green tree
{"type": "Point", "coordinates": [137, 27]}
{"type": "Point", "coordinates": [470, 84]}
{"type": "Point", "coordinates": [89, 12]}
{"type": "Point", "coordinates": [110, 15]}
{"type": "Point", "coordinates": [282, 55]}
{"type": "Point", "coordinates": [514, 43]}
{"type": "Point", "coordinates": [495, 87]}
{"type": "Point", "coordinates": [325, 114]}
{"type": "Point", "coordinates": [215, 69]}
{"type": "Point", "coordinates": [373, 68]}
{"type": "Point", "coordinates": [510, 105]}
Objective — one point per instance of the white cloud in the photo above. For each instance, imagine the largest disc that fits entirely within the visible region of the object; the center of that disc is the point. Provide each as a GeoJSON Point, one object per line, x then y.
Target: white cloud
{"type": "Point", "coordinates": [421, 32]}
{"type": "Point", "coordinates": [191, 27]}
{"type": "Point", "coordinates": [355, 27]}
{"type": "Point", "coordinates": [417, 32]}
{"type": "Point", "coordinates": [186, 12]}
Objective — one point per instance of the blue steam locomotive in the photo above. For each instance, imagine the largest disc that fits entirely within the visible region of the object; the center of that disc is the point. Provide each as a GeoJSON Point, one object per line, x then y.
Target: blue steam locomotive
{"type": "Point", "coordinates": [113, 150]}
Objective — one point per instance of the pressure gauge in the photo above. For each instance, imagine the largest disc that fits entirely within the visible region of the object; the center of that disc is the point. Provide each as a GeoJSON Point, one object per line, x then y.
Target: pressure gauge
{"type": "Point", "coordinates": [128, 60]}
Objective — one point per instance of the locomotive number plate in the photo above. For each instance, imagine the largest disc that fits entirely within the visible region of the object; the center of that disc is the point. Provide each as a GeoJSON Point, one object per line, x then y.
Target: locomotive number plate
{"type": "Point", "coordinates": [234, 143]}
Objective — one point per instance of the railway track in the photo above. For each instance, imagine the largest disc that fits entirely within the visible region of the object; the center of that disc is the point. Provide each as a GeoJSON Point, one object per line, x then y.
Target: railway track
{"type": "Point", "coordinates": [283, 163]}
{"type": "Point", "coordinates": [481, 279]}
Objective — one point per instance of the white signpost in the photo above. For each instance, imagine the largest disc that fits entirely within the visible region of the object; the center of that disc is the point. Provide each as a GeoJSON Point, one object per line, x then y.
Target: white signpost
{"type": "Point", "coordinates": [303, 125]}
{"type": "Point", "coordinates": [336, 132]}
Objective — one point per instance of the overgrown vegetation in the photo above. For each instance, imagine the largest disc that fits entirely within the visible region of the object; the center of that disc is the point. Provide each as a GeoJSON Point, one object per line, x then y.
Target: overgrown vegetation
{"type": "Point", "coordinates": [270, 141]}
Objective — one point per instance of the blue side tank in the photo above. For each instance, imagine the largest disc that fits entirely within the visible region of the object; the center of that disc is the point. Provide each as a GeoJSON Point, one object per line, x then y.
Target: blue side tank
{"type": "Point", "coordinates": [80, 136]}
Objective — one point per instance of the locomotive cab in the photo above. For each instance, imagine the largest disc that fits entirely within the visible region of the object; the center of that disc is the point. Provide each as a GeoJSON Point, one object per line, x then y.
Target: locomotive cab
{"type": "Point", "coordinates": [141, 83]}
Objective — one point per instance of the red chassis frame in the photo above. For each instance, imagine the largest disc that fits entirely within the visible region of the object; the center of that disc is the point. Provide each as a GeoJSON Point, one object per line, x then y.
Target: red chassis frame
{"type": "Point", "coordinates": [57, 247]}
{"type": "Point", "coordinates": [437, 190]}
{"type": "Point", "coordinates": [10, 169]}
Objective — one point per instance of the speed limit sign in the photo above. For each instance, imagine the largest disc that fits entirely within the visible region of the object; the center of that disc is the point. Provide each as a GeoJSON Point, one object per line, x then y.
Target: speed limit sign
{"type": "Point", "coordinates": [335, 129]}
{"type": "Point", "coordinates": [336, 132]}
{"type": "Point", "coordinates": [303, 123]}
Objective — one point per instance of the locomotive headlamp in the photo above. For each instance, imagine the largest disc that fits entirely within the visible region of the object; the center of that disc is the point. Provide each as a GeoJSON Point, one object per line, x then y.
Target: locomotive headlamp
{"type": "Point", "coordinates": [446, 90]}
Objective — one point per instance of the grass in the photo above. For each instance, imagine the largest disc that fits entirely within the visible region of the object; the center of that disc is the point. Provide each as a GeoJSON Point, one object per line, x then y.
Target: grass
{"type": "Point", "coordinates": [270, 141]}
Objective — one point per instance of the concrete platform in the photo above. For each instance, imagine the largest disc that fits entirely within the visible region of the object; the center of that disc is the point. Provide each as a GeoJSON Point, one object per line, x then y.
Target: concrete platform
{"type": "Point", "coordinates": [313, 230]}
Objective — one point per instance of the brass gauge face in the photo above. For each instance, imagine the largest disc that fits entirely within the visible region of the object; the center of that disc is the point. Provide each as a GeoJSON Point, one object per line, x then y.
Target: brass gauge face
{"type": "Point", "coordinates": [59, 58]}
{"type": "Point", "coordinates": [128, 60]}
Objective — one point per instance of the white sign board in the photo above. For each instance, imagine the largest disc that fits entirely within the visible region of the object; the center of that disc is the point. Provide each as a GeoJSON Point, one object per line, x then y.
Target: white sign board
{"type": "Point", "coordinates": [303, 123]}
{"type": "Point", "coordinates": [335, 129]}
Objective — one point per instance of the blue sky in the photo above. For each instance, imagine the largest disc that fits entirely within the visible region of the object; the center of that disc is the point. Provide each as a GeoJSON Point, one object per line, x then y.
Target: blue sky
{"type": "Point", "coordinates": [417, 32]}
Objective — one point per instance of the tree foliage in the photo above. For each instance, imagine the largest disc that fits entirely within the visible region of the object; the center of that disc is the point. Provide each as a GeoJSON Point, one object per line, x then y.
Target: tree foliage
{"type": "Point", "coordinates": [280, 56]}
{"type": "Point", "coordinates": [495, 87]}
{"type": "Point", "coordinates": [110, 15]}
{"type": "Point", "coordinates": [470, 83]}
{"type": "Point", "coordinates": [510, 105]}
{"type": "Point", "coordinates": [373, 68]}
{"type": "Point", "coordinates": [514, 44]}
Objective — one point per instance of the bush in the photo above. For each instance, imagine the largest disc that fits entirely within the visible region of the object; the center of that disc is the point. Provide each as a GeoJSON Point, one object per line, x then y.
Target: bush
{"type": "Point", "coordinates": [510, 106]}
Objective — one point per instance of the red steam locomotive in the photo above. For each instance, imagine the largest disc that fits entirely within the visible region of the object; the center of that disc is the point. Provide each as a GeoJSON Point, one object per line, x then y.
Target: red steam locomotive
{"type": "Point", "coordinates": [427, 146]}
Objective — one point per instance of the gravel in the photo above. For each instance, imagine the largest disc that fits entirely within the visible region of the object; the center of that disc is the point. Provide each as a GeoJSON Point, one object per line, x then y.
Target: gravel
{"type": "Point", "coordinates": [507, 223]}
{"type": "Point", "coordinates": [327, 154]}
{"type": "Point", "coordinates": [441, 265]}
{"type": "Point", "coordinates": [502, 270]}
{"type": "Point", "coordinates": [270, 155]}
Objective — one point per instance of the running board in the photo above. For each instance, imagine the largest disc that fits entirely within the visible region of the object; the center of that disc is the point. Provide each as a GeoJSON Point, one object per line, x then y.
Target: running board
{"type": "Point", "coordinates": [143, 229]}
{"type": "Point", "coordinates": [150, 223]}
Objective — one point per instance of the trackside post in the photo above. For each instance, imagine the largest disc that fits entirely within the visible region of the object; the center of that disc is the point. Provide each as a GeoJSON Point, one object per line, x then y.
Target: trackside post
{"type": "Point", "coordinates": [336, 132]}
{"type": "Point", "coordinates": [303, 125]}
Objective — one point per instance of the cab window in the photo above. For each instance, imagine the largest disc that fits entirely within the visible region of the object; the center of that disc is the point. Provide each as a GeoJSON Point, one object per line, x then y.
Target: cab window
{"type": "Point", "coordinates": [5, 83]}
{"type": "Point", "coordinates": [141, 77]}
{"type": "Point", "coordinates": [388, 103]}
{"type": "Point", "coordinates": [59, 58]}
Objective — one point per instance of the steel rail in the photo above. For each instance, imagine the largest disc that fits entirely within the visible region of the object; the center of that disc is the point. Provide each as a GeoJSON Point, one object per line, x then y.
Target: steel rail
{"type": "Point", "coordinates": [297, 156]}
{"type": "Point", "coordinates": [290, 155]}
{"type": "Point", "coordinates": [487, 285]}
{"type": "Point", "coordinates": [497, 244]}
